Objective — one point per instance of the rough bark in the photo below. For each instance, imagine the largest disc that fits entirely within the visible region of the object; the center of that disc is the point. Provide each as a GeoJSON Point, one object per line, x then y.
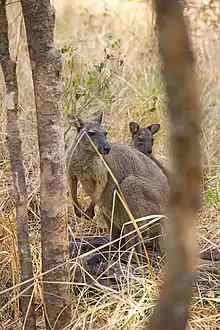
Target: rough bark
{"type": "Point", "coordinates": [16, 160]}
{"type": "Point", "coordinates": [46, 65]}
{"type": "Point", "coordinates": [171, 311]}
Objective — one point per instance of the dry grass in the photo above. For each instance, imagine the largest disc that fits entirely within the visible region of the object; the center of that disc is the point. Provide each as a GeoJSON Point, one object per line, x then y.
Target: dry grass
{"type": "Point", "coordinates": [136, 94]}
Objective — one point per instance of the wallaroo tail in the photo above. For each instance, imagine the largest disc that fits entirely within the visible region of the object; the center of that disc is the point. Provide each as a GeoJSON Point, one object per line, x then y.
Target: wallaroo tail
{"type": "Point", "coordinates": [142, 139]}
{"type": "Point", "coordinates": [142, 183]}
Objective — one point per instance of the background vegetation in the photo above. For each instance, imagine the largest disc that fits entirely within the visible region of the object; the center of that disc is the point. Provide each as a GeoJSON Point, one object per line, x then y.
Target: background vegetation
{"type": "Point", "coordinates": [124, 82]}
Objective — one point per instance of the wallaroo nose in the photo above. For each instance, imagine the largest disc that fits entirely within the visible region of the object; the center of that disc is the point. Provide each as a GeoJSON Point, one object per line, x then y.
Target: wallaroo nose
{"type": "Point", "coordinates": [149, 151]}
{"type": "Point", "coordinates": [106, 149]}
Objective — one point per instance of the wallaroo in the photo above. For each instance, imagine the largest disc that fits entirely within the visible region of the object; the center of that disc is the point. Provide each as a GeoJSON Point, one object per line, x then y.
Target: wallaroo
{"type": "Point", "coordinates": [143, 185]}
{"type": "Point", "coordinates": [143, 140]}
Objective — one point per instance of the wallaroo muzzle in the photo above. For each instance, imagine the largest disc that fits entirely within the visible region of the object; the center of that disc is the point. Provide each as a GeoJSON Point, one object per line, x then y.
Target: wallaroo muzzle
{"type": "Point", "coordinates": [104, 150]}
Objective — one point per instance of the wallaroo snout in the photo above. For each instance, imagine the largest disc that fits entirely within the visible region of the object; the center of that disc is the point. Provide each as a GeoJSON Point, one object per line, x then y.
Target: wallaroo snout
{"type": "Point", "coordinates": [142, 183]}
{"type": "Point", "coordinates": [143, 140]}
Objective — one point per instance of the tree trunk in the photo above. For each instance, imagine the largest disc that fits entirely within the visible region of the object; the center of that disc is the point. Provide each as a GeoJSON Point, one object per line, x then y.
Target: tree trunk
{"type": "Point", "coordinates": [46, 65]}
{"type": "Point", "coordinates": [18, 172]}
{"type": "Point", "coordinates": [171, 311]}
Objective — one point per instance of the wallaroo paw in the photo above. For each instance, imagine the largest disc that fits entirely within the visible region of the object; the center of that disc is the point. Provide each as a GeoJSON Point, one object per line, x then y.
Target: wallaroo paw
{"type": "Point", "coordinates": [89, 214]}
{"type": "Point", "coordinates": [78, 212]}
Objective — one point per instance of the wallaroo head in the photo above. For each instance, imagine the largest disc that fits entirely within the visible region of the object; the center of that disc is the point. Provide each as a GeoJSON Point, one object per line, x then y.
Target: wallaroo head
{"type": "Point", "coordinates": [142, 138]}
{"type": "Point", "coordinates": [91, 129]}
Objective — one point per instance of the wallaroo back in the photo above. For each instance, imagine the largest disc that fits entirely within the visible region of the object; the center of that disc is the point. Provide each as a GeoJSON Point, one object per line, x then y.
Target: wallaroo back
{"type": "Point", "coordinates": [143, 140]}
{"type": "Point", "coordinates": [142, 183]}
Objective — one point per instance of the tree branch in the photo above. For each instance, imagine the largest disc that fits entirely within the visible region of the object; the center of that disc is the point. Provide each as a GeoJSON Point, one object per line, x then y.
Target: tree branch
{"type": "Point", "coordinates": [17, 168]}
{"type": "Point", "coordinates": [171, 311]}
{"type": "Point", "coordinates": [46, 65]}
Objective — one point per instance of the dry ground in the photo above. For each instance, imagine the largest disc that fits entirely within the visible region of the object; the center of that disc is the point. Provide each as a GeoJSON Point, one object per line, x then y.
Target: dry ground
{"type": "Point", "coordinates": [128, 91]}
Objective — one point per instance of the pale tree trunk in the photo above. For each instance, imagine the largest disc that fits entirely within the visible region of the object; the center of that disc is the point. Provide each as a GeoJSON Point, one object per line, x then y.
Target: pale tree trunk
{"type": "Point", "coordinates": [18, 172]}
{"type": "Point", "coordinates": [46, 65]}
{"type": "Point", "coordinates": [171, 311]}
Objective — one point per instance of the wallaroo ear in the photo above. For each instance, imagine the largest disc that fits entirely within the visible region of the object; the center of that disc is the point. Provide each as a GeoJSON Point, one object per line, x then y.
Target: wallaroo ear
{"type": "Point", "coordinates": [75, 121]}
{"type": "Point", "coordinates": [98, 117]}
{"type": "Point", "coordinates": [154, 128]}
{"type": "Point", "coordinates": [134, 127]}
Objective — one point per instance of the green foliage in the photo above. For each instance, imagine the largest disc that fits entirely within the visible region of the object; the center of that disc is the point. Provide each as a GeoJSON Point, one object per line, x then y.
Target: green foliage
{"type": "Point", "coordinates": [113, 43]}
{"type": "Point", "coordinates": [109, 36]}
{"type": "Point", "coordinates": [86, 84]}
{"type": "Point", "coordinates": [212, 197]}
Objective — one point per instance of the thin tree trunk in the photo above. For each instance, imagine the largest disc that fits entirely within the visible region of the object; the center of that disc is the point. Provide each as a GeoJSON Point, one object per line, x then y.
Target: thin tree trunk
{"type": "Point", "coordinates": [171, 311]}
{"type": "Point", "coordinates": [18, 172]}
{"type": "Point", "coordinates": [46, 65]}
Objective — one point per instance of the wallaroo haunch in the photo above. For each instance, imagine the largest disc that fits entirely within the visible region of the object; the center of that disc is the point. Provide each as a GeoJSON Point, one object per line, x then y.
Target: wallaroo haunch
{"type": "Point", "coordinates": [143, 185]}
{"type": "Point", "coordinates": [143, 140]}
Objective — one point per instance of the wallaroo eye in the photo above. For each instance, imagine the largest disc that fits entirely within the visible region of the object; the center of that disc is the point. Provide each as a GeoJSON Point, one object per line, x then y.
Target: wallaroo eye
{"type": "Point", "coordinates": [140, 138]}
{"type": "Point", "coordinates": [91, 132]}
